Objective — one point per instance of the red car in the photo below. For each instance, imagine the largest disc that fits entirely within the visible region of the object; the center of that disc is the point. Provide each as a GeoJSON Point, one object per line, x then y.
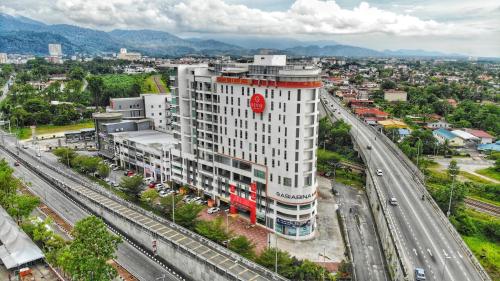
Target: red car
{"type": "Point", "coordinates": [152, 185]}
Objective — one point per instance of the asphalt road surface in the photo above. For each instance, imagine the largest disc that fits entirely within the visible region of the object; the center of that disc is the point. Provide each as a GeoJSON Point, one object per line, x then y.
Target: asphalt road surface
{"type": "Point", "coordinates": [426, 241]}
{"type": "Point", "coordinates": [129, 257]}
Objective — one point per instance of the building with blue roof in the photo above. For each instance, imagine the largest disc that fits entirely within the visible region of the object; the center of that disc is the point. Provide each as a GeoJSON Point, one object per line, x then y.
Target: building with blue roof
{"type": "Point", "coordinates": [442, 135]}
{"type": "Point", "coordinates": [489, 146]}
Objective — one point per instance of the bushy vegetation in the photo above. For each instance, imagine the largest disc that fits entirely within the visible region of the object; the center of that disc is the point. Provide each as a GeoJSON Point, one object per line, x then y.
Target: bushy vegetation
{"type": "Point", "coordinates": [19, 206]}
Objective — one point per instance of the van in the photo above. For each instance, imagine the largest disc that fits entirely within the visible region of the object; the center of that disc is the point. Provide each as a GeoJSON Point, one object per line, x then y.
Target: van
{"type": "Point", "coordinates": [419, 274]}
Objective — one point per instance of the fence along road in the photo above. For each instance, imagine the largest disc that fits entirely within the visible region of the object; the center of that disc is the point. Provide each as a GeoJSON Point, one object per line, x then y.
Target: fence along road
{"type": "Point", "coordinates": [232, 265]}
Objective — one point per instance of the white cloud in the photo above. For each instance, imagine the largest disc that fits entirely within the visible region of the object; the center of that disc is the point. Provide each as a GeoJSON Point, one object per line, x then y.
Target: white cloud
{"type": "Point", "coordinates": [303, 17]}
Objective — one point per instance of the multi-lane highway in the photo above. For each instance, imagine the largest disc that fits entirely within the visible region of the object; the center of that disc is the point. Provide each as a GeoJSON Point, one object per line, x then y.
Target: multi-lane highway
{"type": "Point", "coordinates": [131, 258]}
{"type": "Point", "coordinates": [426, 239]}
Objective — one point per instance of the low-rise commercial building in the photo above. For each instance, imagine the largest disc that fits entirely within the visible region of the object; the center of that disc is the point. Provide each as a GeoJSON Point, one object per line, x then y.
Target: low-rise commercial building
{"type": "Point", "coordinates": [153, 106]}
{"type": "Point", "coordinates": [147, 152]}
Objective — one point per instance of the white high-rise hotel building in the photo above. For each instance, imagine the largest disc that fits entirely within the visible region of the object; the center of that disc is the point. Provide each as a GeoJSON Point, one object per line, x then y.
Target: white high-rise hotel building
{"type": "Point", "coordinates": [248, 136]}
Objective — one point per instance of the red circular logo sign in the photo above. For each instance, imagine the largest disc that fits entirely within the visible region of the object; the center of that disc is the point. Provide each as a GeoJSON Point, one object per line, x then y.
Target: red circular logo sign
{"type": "Point", "coordinates": [257, 103]}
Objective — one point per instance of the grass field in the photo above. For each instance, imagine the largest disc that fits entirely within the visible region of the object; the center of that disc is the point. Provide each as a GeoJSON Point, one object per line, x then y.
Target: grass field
{"type": "Point", "coordinates": [488, 254]}
{"type": "Point", "coordinates": [25, 133]}
{"type": "Point", "coordinates": [474, 178]}
{"type": "Point", "coordinates": [150, 86]}
{"type": "Point", "coordinates": [490, 173]}
{"type": "Point", "coordinates": [486, 250]}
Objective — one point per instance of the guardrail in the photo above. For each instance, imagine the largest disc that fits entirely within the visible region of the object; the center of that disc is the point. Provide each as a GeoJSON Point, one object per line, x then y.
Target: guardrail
{"type": "Point", "coordinates": [388, 224]}
{"type": "Point", "coordinates": [98, 189]}
{"type": "Point", "coordinates": [419, 177]}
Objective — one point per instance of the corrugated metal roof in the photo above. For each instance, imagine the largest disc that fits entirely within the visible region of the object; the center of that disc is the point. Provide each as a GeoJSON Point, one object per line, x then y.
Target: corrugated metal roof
{"type": "Point", "coordinates": [17, 248]}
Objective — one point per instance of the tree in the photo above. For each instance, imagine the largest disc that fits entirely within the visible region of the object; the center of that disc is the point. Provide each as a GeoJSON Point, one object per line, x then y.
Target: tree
{"type": "Point", "coordinates": [149, 195]}
{"type": "Point", "coordinates": [442, 196]}
{"type": "Point", "coordinates": [65, 155]}
{"type": "Point", "coordinates": [103, 170]}
{"type": "Point", "coordinates": [92, 247]}
{"type": "Point", "coordinates": [186, 215]}
{"type": "Point", "coordinates": [166, 204]}
{"type": "Point", "coordinates": [22, 205]}
{"type": "Point", "coordinates": [89, 164]}
{"type": "Point", "coordinates": [309, 270]}
{"type": "Point", "coordinates": [8, 184]}
{"type": "Point", "coordinates": [453, 169]}
{"type": "Point", "coordinates": [96, 87]}
{"type": "Point", "coordinates": [285, 262]}
{"type": "Point", "coordinates": [132, 186]}
{"type": "Point", "coordinates": [388, 84]}
{"type": "Point", "coordinates": [77, 73]}
{"type": "Point", "coordinates": [242, 246]}
{"type": "Point", "coordinates": [213, 230]}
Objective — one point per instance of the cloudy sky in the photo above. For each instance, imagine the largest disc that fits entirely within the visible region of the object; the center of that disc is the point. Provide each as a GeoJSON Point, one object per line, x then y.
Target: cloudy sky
{"type": "Point", "coordinates": [453, 26]}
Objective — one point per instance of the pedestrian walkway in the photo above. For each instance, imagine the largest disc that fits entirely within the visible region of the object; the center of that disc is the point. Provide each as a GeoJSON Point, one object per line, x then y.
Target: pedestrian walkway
{"type": "Point", "coordinates": [326, 248]}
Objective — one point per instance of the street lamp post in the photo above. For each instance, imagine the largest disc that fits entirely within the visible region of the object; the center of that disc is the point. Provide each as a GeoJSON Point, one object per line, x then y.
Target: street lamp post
{"type": "Point", "coordinates": [419, 144]}
{"type": "Point", "coordinates": [451, 195]}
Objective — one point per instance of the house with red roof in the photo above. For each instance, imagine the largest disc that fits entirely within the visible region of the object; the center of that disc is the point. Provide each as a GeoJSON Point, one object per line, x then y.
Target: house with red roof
{"type": "Point", "coordinates": [483, 136]}
{"type": "Point", "coordinates": [371, 114]}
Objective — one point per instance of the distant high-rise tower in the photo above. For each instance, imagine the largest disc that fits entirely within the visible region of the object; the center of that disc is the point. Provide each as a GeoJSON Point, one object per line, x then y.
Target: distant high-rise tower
{"type": "Point", "coordinates": [3, 58]}
{"type": "Point", "coordinates": [55, 53]}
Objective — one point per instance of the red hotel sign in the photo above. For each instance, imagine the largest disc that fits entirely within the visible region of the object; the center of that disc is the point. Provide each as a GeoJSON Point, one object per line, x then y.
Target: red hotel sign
{"type": "Point", "coordinates": [257, 103]}
{"type": "Point", "coordinates": [247, 204]}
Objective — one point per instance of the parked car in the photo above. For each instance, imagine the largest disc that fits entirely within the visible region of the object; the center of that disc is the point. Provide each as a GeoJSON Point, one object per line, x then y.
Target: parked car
{"type": "Point", "coordinates": [107, 180]}
{"type": "Point", "coordinates": [16, 164]}
{"type": "Point", "coordinates": [163, 193]}
{"type": "Point", "coordinates": [116, 168]}
{"type": "Point", "coordinates": [213, 210]}
{"type": "Point", "coordinates": [147, 180]}
{"type": "Point", "coordinates": [393, 201]}
{"type": "Point", "coordinates": [369, 147]}
{"type": "Point", "coordinates": [187, 197]}
{"type": "Point", "coordinates": [159, 186]}
{"type": "Point", "coordinates": [379, 172]}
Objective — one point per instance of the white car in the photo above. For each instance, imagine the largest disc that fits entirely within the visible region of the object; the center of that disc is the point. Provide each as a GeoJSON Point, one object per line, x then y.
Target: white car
{"type": "Point", "coordinates": [379, 172]}
{"type": "Point", "coordinates": [159, 186]}
{"type": "Point", "coordinates": [213, 210]}
{"type": "Point", "coordinates": [163, 193]}
{"type": "Point", "coordinates": [393, 201]}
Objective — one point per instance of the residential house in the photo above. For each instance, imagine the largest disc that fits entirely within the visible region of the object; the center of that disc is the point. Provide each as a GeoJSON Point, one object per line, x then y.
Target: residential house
{"type": "Point", "coordinates": [483, 136]}
{"type": "Point", "coordinates": [443, 135]}
{"type": "Point", "coordinates": [371, 115]}
{"type": "Point", "coordinates": [438, 125]}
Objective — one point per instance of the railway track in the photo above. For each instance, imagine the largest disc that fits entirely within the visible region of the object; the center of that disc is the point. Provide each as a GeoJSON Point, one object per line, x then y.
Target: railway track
{"type": "Point", "coordinates": [482, 206]}
{"type": "Point", "coordinates": [67, 228]}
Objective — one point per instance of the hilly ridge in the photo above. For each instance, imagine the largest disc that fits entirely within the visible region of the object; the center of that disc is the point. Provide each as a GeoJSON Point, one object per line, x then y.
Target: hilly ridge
{"type": "Point", "coordinates": [26, 36]}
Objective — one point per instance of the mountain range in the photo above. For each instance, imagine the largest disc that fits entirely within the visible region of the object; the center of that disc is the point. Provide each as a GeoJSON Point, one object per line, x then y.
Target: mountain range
{"type": "Point", "coordinates": [26, 36]}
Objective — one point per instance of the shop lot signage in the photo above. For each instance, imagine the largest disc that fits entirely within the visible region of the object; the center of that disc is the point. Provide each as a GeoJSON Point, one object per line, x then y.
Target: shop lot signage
{"type": "Point", "coordinates": [293, 223]}
{"type": "Point", "coordinates": [295, 196]}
